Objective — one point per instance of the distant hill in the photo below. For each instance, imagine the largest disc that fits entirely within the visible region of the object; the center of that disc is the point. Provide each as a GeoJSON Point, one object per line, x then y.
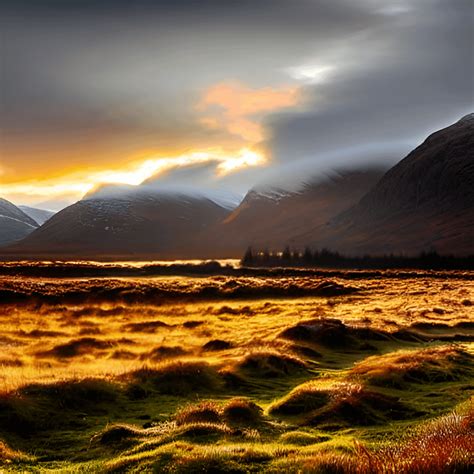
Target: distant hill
{"type": "Point", "coordinates": [14, 223]}
{"type": "Point", "coordinates": [38, 215]}
{"type": "Point", "coordinates": [134, 224]}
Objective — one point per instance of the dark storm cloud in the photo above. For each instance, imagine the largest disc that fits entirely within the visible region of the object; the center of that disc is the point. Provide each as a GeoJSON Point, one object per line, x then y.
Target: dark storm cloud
{"type": "Point", "coordinates": [65, 63]}
{"type": "Point", "coordinates": [420, 79]}
{"type": "Point", "coordinates": [135, 69]}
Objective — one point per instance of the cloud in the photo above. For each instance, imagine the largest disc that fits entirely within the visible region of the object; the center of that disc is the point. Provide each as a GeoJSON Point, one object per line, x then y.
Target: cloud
{"type": "Point", "coordinates": [311, 73]}
{"type": "Point", "coordinates": [239, 109]}
{"type": "Point", "coordinates": [391, 86]}
{"type": "Point", "coordinates": [88, 86]}
{"type": "Point", "coordinates": [199, 169]}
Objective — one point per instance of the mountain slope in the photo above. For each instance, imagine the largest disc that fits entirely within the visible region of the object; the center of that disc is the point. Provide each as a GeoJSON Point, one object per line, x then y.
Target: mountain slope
{"type": "Point", "coordinates": [38, 215]}
{"type": "Point", "coordinates": [424, 202]}
{"type": "Point", "coordinates": [269, 218]}
{"type": "Point", "coordinates": [14, 223]}
{"type": "Point", "coordinates": [135, 224]}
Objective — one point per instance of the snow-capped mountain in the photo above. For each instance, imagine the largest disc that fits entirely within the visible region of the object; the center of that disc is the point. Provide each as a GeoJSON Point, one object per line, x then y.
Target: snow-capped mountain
{"type": "Point", "coordinates": [129, 225]}
{"type": "Point", "coordinates": [14, 223]}
{"type": "Point", "coordinates": [38, 215]}
{"type": "Point", "coordinates": [269, 217]}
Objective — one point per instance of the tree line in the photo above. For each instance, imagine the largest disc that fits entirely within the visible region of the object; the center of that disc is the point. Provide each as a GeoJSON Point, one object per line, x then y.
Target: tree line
{"type": "Point", "coordinates": [329, 259]}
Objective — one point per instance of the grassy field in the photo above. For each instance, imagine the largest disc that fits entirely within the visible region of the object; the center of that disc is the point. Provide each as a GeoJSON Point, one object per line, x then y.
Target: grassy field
{"type": "Point", "coordinates": [238, 374]}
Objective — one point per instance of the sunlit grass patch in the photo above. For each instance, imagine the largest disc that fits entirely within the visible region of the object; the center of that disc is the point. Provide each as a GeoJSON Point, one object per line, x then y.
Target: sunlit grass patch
{"type": "Point", "coordinates": [242, 411]}
{"type": "Point", "coordinates": [164, 352]}
{"type": "Point", "coordinates": [268, 363]}
{"type": "Point", "coordinates": [206, 411]}
{"type": "Point", "coordinates": [118, 436]}
{"type": "Point", "coordinates": [431, 365]}
{"type": "Point", "coordinates": [185, 457]}
{"type": "Point", "coordinates": [77, 347]}
{"type": "Point", "coordinates": [442, 445]}
{"type": "Point", "coordinates": [9, 455]}
{"type": "Point", "coordinates": [336, 404]}
{"type": "Point", "coordinates": [42, 407]}
{"type": "Point", "coordinates": [304, 398]}
{"type": "Point", "coordinates": [178, 378]}
{"type": "Point", "coordinates": [236, 411]}
{"type": "Point", "coordinates": [303, 438]}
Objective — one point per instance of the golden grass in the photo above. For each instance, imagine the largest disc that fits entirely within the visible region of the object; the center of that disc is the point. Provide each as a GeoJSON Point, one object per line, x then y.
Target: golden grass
{"type": "Point", "coordinates": [9, 455]}
{"type": "Point", "coordinates": [416, 366]}
{"type": "Point", "coordinates": [53, 342]}
{"type": "Point", "coordinates": [179, 385]}
{"type": "Point", "coordinates": [59, 341]}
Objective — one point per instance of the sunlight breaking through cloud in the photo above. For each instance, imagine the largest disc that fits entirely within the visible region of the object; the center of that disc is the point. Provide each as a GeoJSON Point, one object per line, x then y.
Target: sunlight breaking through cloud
{"type": "Point", "coordinates": [239, 109]}
{"type": "Point", "coordinates": [79, 184]}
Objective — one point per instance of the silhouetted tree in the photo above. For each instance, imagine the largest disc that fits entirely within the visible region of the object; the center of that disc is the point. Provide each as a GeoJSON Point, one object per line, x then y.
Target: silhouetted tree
{"type": "Point", "coordinates": [307, 256]}
{"type": "Point", "coordinates": [326, 258]}
{"type": "Point", "coordinates": [247, 259]}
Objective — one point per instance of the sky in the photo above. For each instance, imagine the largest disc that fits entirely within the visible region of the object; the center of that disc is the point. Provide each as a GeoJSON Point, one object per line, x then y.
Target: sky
{"type": "Point", "coordinates": [223, 94]}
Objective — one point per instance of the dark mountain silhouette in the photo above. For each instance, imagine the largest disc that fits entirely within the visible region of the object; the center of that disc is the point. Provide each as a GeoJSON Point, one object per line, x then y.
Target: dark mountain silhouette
{"type": "Point", "coordinates": [137, 224]}
{"type": "Point", "coordinates": [14, 223]}
{"type": "Point", "coordinates": [425, 202]}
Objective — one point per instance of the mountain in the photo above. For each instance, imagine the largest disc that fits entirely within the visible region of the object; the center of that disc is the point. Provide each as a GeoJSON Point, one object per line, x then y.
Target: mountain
{"type": "Point", "coordinates": [269, 218]}
{"type": "Point", "coordinates": [38, 215]}
{"type": "Point", "coordinates": [14, 223]}
{"type": "Point", "coordinates": [131, 224]}
{"type": "Point", "coordinates": [425, 202]}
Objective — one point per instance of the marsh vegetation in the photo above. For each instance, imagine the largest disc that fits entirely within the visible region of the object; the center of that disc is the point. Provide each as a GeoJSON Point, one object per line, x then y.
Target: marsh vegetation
{"type": "Point", "coordinates": [330, 373]}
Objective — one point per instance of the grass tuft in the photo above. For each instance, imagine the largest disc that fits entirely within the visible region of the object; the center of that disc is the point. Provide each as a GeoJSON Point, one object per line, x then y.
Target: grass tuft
{"type": "Point", "coordinates": [179, 378]}
{"type": "Point", "coordinates": [206, 412]}
{"type": "Point", "coordinates": [340, 403]}
{"type": "Point", "coordinates": [302, 438]}
{"type": "Point", "coordinates": [432, 365]}
{"type": "Point", "coordinates": [9, 455]}
{"type": "Point", "coordinates": [267, 363]}
{"type": "Point", "coordinates": [242, 411]}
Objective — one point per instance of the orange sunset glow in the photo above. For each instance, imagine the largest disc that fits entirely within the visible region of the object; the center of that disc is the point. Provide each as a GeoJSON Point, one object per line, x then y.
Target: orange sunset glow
{"type": "Point", "coordinates": [235, 110]}
{"type": "Point", "coordinates": [239, 109]}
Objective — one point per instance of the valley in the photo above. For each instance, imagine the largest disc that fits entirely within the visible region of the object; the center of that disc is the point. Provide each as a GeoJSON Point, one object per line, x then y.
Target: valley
{"type": "Point", "coordinates": [237, 373]}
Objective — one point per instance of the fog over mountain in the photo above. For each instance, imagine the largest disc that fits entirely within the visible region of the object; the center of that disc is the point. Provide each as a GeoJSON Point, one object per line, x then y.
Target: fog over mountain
{"type": "Point", "coordinates": [38, 215]}
{"type": "Point", "coordinates": [425, 202]}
